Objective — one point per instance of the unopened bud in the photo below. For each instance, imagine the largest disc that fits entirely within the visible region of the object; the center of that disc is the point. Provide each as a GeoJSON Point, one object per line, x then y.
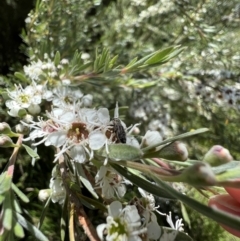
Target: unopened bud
{"type": "Point", "coordinates": [199, 174]}
{"type": "Point", "coordinates": [151, 138]}
{"type": "Point", "coordinates": [175, 151]}
{"type": "Point", "coordinates": [6, 141]}
{"type": "Point", "coordinates": [44, 194]}
{"type": "Point", "coordinates": [87, 100]}
{"type": "Point", "coordinates": [20, 128]}
{"type": "Point", "coordinates": [217, 155]}
{"type": "Point", "coordinates": [34, 109]}
{"type": "Point", "coordinates": [5, 128]}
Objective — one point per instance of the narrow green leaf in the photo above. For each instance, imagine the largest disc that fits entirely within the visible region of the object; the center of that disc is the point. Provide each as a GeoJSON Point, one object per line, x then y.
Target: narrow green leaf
{"type": "Point", "coordinates": [17, 207]}
{"type": "Point", "coordinates": [225, 167]}
{"type": "Point", "coordinates": [220, 217]}
{"type": "Point", "coordinates": [121, 152]}
{"type": "Point", "coordinates": [182, 136]}
{"type": "Point", "coordinates": [18, 230]}
{"type": "Point", "coordinates": [159, 55]}
{"type": "Point", "coordinates": [133, 61]}
{"type": "Point", "coordinates": [185, 215]}
{"type": "Point", "coordinates": [31, 228]}
{"type": "Point", "coordinates": [57, 58]}
{"type": "Point", "coordinates": [43, 213]}
{"type": "Point", "coordinates": [31, 152]}
{"type": "Point", "coordinates": [113, 61]}
{"type": "Point", "coordinates": [7, 211]}
{"type": "Point", "coordinates": [20, 194]}
{"type": "Point", "coordinates": [84, 66]}
{"type": "Point", "coordinates": [22, 77]}
{"type": "Point", "coordinates": [5, 184]}
{"type": "Point", "coordinates": [140, 182]}
{"type": "Point", "coordinates": [2, 198]}
{"type": "Point", "coordinates": [84, 179]}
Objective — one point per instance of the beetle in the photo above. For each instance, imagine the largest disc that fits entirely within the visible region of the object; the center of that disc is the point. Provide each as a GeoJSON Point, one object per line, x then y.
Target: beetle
{"type": "Point", "coordinates": [119, 130]}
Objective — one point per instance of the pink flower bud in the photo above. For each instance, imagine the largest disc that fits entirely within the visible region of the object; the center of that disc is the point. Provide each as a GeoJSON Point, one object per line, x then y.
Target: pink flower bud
{"type": "Point", "coordinates": [217, 155]}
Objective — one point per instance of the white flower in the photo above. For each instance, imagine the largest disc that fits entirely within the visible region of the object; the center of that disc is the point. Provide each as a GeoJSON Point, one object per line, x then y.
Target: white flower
{"type": "Point", "coordinates": [58, 191]}
{"type": "Point", "coordinates": [21, 98]}
{"type": "Point", "coordinates": [110, 183]}
{"type": "Point", "coordinates": [123, 224]}
{"type": "Point", "coordinates": [34, 70]}
{"type": "Point", "coordinates": [63, 96]}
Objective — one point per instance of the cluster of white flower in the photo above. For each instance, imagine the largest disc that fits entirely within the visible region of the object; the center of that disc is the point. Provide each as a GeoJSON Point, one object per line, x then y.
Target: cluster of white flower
{"type": "Point", "coordinates": [73, 127]}
{"type": "Point", "coordinates": [136, 222]}
{"type": "Point", "coordinates": [29, 98]}
{"type": "Point", "coordinates": [122, 224]}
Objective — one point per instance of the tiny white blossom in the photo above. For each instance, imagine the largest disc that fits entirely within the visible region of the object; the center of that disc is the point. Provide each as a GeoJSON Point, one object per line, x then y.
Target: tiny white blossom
{"type": "Point", "coordinates": [122, 223]}
{"type": "Point", "coordinates": [34, 70]}
{"type": "Point", "coordinates": [110, 183]}
{"type": "Point", "coordinates": [58, 191]}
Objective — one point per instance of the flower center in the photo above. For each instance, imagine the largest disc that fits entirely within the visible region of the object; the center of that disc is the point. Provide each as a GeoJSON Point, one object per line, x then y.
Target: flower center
{"type": "Point", "coordinates": [78, 132]}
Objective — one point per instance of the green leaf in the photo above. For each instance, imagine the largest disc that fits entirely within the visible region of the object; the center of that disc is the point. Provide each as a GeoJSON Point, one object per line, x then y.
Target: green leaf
{"type": "Point", "coordinates": [2, 198]}
{"type": "Point", "coordinates": [7, 211]}
{"type": "Point", "coordinates": [84, 179]}
{"type": "Point", "coordinates": [31, 228]}
{"type": "Point", "coordinates": [22, 77]}
{"type": "Point", "coordinates": [182, 136]}
{"type": "Point", "coordinates": [44, 212]}
{"type": "Point", "coordinates": [20, 194]}
{"type": "Point", "coordinates": [132, 62]}
{"type": "Point", "coordinates": [120, 152]}
{"type": "Point", "coordinates": [140, 182]}
{"type": "Point", "coordinates": [57, 58]}
{"type": "Point", "coordinates": [17, 207]}
{"type": "Point", "coordinates": [185, 215]}
{"type": "Point", "coordinates": [18, 230]}
{"type": "Point", "coordinates": [5, 182]}
{"type": "Point", "coordinates": [31, 152]}
{"type": "Point", "coordinates": [159, 55]}
{"type": "Point", "coordinates": [220, 217]}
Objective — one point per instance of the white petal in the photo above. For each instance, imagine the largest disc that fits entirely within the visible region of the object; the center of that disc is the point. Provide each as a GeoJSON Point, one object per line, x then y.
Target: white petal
{"type": "Point", "coordinates": [131, 213]}
{"type": "Point", "coordinates": [115, 208]}
{"type": "Point", "coordinates": [96, 140]}
{"type": "Point", "coordinates": [103, 115]}
{"type": "Point", "coordinates": [153, 230]}
{"type": "Point", "coordinates": [56, 139]}
{"type": "Point", "coordinates": [100, 230]}
{"type": "Point", "coordinates": [78, 154]}
{"type": "Point", "coordinates": [101, 173]}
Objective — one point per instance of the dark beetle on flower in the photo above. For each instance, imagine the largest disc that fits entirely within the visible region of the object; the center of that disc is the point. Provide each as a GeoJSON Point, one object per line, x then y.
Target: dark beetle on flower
{"type": "Point", "coordinates": [119, 130]}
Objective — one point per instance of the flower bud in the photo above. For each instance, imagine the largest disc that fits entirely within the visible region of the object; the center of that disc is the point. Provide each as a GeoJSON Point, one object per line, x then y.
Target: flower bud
{"type": "Point", "coordinates": [6, 141]}
{"type": "Point", "coordinates": [44, 194]}
{"type": "Point", "coordinates": [87, 100]}
{"type": "Point", "coordinates": [5, 128]}
{"type": "Point", "coordinates": [175, 151]}
{"type": "Point", "coordinates": [217, 155]}
{"type": "Point", "coordinates": [199, 174]}
{"type": "Point", "coordinates": [34, 109]}
{"type": "Point", "coordinates": [20, 128]}
{"type": "Point", "coordinates": [151, 138]}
